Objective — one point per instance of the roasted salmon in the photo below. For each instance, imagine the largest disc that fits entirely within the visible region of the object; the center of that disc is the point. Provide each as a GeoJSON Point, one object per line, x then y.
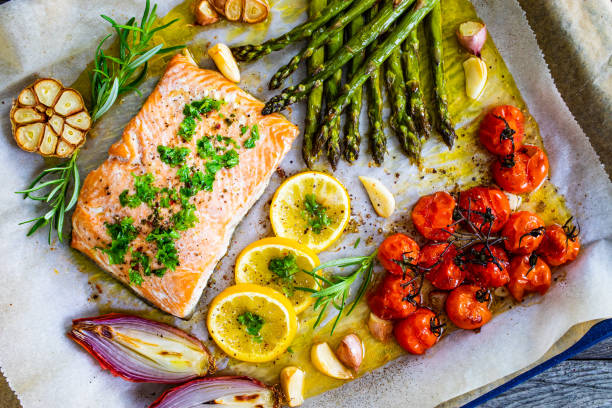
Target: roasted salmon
{"type": "Point", "coordinates": [159, 213]}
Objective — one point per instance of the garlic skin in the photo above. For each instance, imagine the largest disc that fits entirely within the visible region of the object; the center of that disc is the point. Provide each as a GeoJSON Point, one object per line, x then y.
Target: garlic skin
{"type": "Point", "coordinates": [380, 329]}
{"type": "Point", "coordinates": [472, 36]}
{"type": "Point", "coordinates": [324, 360]}
{"type": "Point", "coordinates": [381, 198]}
{"type": "Point", "coordinates": [351, 351]}
{"type": "Point", "coordinates": [292, 383]}
{"type": "Point", "coordinates": [475, 77]}
{"type": "Point", "coordinates": [225, 62]}
{"type": "Point", "coordinates": [204, 13]}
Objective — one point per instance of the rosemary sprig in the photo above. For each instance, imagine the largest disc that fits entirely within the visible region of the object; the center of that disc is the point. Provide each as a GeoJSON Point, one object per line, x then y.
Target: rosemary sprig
{"type": "Point", "coordinates": [111, 77]}
{"type": "Point", "coordinates": [116, 75]}
{"type": "Point", "coordinates": [335, 289]}
{"type": "Point", "coordinates": [59, 180]}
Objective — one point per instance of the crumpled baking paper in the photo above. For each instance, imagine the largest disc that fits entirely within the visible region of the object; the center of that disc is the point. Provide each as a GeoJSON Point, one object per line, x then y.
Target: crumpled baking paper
{"type": "Point", "coordinates": [44, 287]}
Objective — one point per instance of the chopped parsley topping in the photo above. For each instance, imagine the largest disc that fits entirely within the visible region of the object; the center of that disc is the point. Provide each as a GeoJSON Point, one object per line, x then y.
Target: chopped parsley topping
{"type": "Point", "coordinates": [193, 111]}
{"type": "Point", "coordinates": [315, 214]}
{"type": "Point", "coordinates": [122, 233]}
{"type": "Point", "coordinates": [167, 254]}
{"type": "Point", "coordinates": [174, 156]}
{"type": "Point", "coordinates": [167, 197]}
{"type": "Point", "coordinates": [145, 192]}
{"type": "Point", "coordinates": [250, 142]}
{"type": "Point", "coordinates": [243, 130]}
{"type": "Point", "coordinates": [285, 267]}
{"type": "Point", "coordinates": [185, 218]}
{"type": "Point", "coordinates": [253, 324]}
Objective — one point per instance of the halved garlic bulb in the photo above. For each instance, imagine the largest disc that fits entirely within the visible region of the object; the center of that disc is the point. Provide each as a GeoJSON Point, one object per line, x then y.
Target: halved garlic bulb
{"type": "Point", "coordinates": [50, 119]}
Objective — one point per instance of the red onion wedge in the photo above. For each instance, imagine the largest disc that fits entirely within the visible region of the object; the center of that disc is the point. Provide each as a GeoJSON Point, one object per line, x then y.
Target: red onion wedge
{"type": "Point", "coordinates": [220, 391]}
{"type": "Point", "coordinates": [472, 36]}
{"type": "Point", "coordinates": [142, 350]}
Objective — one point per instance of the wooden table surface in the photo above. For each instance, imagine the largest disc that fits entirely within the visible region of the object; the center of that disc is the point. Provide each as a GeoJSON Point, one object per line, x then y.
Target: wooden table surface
{"type": "Point", "coordinates": [586, 379]}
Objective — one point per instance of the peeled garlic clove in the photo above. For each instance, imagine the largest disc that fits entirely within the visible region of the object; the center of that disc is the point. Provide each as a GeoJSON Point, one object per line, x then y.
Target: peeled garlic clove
{"type": "Point", "coordinates": [233, 10]}
{"type": "Point", "coordinates": [255, 11]}
{"type": "Point", "coordinates": [204, 13]}
{"type": "Point", "coordinates": [225, 62]}
{"type": "Point", "coordinates": [380, 329]}
{"type": "Point", "coordinates": [472, 36]}
{"type": "Point", "coordinates": [292, 383]}
{"type": "Point", "coordinates": [46, 91]}
{"type": "Point", "coordinates": [514, 201]}
{"type": "Point", "coordinates": [28, 136]}
{"type": "Point", "coordinates": [351, 351]}
{"type": "Point", "coordinates": [324, 360]}
{"type": "Point", "coordinates": [381, 198]}
{"type": "Point", "coordinates": [475, 76]}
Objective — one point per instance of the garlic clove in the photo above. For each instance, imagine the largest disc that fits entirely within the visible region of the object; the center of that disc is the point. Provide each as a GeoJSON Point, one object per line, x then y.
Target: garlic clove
{"type": "Point", "coordinates": [69, 102]}
{"type": "Point", "coordinates": [57, 123]}
{"type": "Point", "coordinates": [351, 351]}
{"type": "Point", "coordinates": [255, 11]}
{"type": "Point", "coordinates": [27, 98]}
{"type": "Point", "coordinates": [380, 196]}
{"type": "Point", "coordinates": [27, 115]}
{"type": "Point", "coordinates": [380, 329]}
{"type": "Point", "coordinates": [472, 36]}
{"type": "Point", "coordinates": [233, 10]}
{"type": "Point", "coordinates": [49, 141]}
{"type": "Point", "coordinates": [28, 136]}
{"type": "Point", "coordinates": [475, 76]}
{"type": "Point", "coordinates": [46, 91]}
{"type": "Point", "coordinates": [218, 5]}
{"type": "Point", "coordinates": [64, 149]}
{"type": "Point", "coordinates": [514, 200]}
{"type": "Point", "coordinates": [71, 135]}
{"type": "Point", "coordinates": [324, 360]}
{"type": "Point", "coordinates": [80, 121]}
{"type": "Point", "coordinates": [204, 13]}
{"type": "Point", "coordinates": [292, 383]}
{"type": "Point", "coordinates": [225, 62]}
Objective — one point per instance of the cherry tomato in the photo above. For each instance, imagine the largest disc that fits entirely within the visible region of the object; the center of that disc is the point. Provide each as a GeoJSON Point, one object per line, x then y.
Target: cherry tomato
{"type": "Point", "coordinates": [522, 172]}
{"type": "Point", "coordinates": [502, 130]}
{"type": "Point", "coordinates": [433, 214]}
{"type": "Point", "coordinates": [524, 232]}
{"type": "Point", "coordinates": [487, 266]}
{"type": "Point", "coordinates": [528, 273]}
{"type": "Point", "coordinates": [397, 247]}
{"type": "Point", "coordinates": [418, 332]}
{"type": "Point", "coordinates": [486, 208]}
{"type": "Point", "coordinates": [467, 307]}
{"type": "Point", "coordinates": [439, 261]}
{"type": "Point", "coordinates": [394, 299]}
{"type": "Point", "coordinates": [560, 244]}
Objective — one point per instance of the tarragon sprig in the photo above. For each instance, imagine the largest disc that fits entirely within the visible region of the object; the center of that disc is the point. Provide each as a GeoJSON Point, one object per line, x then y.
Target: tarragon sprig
{"type": "Point", "coordinates": [112, 76]}
{"type": "Point", "coordinates": [335, 289]}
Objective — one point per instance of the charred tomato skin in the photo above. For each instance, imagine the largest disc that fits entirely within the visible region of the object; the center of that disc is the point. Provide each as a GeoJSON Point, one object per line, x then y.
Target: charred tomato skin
{"type": "Point", "coordinates": [524, 172]}
{"type": "Point", "coordinates": [528, 273]}
{"type": "Point", "coordinates": [388, 301]}
{"type": "Point", "coordinates": [495, 129]}
{"type": "Point", "coordinates": [414, 334]}
{"type": "Point", "coordinates": [557, 248]}
{"type": "Point", "coordinates": [439, 258]}
{"type": "Point", "coordinates": [396, 248]}
{"type": "Point", "coordinates": [467, 307]}
{"type": "Point", "coordinates": [523, 232]}
{"type": "Point", "coordinates": [478, 200]}
{"type": "Point", "coordinates": [483, 270]}
{"type": "Point", "coordinates": [433, 214]}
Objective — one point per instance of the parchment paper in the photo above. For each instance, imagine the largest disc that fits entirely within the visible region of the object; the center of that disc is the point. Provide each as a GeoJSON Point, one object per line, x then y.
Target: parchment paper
{"type": "Point", "coordinates": [44, 288]}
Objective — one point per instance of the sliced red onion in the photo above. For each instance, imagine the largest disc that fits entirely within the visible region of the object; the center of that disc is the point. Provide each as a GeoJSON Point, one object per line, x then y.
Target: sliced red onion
{"type": "Point", "coordinates": [142, 350]}
{"type": "Point", "coordinates": [220, 391]}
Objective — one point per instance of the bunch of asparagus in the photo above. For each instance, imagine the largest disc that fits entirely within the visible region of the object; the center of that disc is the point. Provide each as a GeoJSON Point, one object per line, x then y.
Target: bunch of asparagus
{"type": "Point", "coordinates": [371, 40]}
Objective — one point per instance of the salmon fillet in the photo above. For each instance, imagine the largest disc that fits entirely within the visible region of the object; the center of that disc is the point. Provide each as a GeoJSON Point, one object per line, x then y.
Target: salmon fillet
{"type": "Point", "coordinates": [218, 212]}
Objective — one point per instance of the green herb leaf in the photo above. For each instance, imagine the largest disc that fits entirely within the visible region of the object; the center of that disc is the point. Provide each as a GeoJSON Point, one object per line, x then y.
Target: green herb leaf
{"type": "Point", "coordinates": [122, 234]}
{"type": "Point", "coordinates": [167, 254]}
{"type": "Point", "coordinates": [315, 214]}
{"type": "Point", "coordinates": [284, 267]}
{"type": "Point", "coordinates": [250, 142]}
{"type": "Point", "coordinates": [174, 156]}
{"type": "Point", "coordinates": [253, 324]}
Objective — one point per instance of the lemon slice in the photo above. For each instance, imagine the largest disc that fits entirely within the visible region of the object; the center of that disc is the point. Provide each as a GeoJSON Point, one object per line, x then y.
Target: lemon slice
{"type": "Point", "coordinates": [292, 215]}
{"type": "Point", "coordinates": [254, 266]}
{"type": "Point", "coordinates": [252, 303]}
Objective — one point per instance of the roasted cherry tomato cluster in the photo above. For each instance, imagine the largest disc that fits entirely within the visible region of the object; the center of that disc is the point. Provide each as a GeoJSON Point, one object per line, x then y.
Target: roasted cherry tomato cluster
{"type": "Point", "coordinates": [518, 168]}
{"type": "Point", "coordinates": [475, 244]}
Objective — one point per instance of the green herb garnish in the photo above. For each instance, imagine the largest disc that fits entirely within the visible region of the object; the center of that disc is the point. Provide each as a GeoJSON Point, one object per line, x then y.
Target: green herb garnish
{"type": "Point", "coordinates": [122, 234]}
{"type": "Point", "coordinates": [145, 192]}
{"type": "Point", "coordinates": [167, 254]}
{"type": "Point", "coordinates": [185, 218]}
{"type": "Point", "coordinates": [193, 111]}
{"type": "Point", "coordinates": [315, 214]}
{"type": "Point", "coordinates": [357, 242]}
{"type": "Point", "coordinates": [250, 142]}
{"type": "Point", "coordinates": [335, 289]}
{"type": "Point", "coordinates": [285, 267]}
{"type": "Point", "coordinates": [174, 156]}
{"type": "Point", "coordinates": [253, 324]}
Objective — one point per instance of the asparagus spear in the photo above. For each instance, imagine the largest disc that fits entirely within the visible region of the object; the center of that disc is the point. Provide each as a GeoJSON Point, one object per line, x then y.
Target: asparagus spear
{"type": "Point", "coordinates": [376, 59]}
{"type": "Point", "coordinates": [319, 40]}
{"type": "Point", "coordinates": [445, 126]}
{"type": "Point", "coordinates": [401, 122]}
{"type": "Point", "coordinates": [418, 111]}
{"type": "Point", "coordinates": [378, 139]}
{"type": "Point", "coordinates": [352, 135]}
{"type": "Point", "coordinates": [332, 89]}
{"type": "Point", "coordinates": [383, 20]}
{"type": "Point", "coordinates": [315, 99]}
{"type": "Point", "coordinates": [252, 52]}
